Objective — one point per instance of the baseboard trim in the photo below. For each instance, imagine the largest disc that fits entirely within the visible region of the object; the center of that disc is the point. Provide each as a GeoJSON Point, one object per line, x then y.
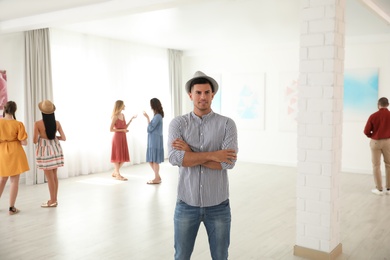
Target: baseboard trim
{"type": "Point", "coordinates": [316, 254]}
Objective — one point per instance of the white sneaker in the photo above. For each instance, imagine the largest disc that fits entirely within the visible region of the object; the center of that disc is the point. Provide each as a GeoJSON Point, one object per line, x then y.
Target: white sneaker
{"type": "Point", "coordinates": [377, 192]}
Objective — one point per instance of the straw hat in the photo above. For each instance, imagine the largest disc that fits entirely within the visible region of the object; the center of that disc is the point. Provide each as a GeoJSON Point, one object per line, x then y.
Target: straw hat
{"type": "Point", "coordinates": [198, 75]}
{"type": "Point", "coordinates": [47, 107]}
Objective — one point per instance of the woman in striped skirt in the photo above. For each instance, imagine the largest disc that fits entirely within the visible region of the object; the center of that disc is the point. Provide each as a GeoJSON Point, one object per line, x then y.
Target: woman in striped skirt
{"type": "Point", "coordinates": [49, 155]}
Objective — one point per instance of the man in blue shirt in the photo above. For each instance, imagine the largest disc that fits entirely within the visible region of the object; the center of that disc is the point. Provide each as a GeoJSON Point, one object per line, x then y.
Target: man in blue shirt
{"type": "Point", "coordinates": [204, 146]}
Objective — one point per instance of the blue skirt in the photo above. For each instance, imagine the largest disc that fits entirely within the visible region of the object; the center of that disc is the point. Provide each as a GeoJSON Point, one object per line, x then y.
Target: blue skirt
{"type": "Point", "coordinates": [155, 150]}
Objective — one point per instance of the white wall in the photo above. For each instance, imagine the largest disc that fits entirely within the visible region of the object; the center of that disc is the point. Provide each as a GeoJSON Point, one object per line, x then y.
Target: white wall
{"type": "Point", "coordinates": [271, 145]}
{"type": "Point", "coordinates": [268, 146]}
{"type": "Point", "coordinates": [12, 60]}
{"type": "Point", "coordinates": [356, 152]}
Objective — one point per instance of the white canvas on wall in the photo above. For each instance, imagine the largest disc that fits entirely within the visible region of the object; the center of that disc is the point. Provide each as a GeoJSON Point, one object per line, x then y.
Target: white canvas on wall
{"type": "Point", "coordinates": [288, 105]}
{"type": "Point", "coordinates": [245, 100]}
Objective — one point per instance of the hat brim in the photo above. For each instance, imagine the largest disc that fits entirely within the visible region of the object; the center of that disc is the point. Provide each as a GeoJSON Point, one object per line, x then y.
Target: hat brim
{"type": "Point", "coordinates": [46, 111]}
{"type": "Point", "coordinates": [212, 81]}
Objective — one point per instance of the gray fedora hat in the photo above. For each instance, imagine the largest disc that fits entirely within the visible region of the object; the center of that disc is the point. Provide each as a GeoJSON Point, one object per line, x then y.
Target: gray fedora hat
{"type": "Point", "coordinates": [199, 75]}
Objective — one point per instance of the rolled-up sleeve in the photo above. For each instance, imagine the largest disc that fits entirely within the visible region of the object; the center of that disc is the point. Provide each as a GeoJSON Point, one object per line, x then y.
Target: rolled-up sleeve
{"type": "Point", "coordinates": [230, 141]}
{"type": "Point", "coordinates": [175, 157]}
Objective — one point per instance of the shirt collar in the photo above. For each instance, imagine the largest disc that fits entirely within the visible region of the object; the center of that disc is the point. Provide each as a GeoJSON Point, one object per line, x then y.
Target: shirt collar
{"type": "Point", "coordinates": [204, 116]}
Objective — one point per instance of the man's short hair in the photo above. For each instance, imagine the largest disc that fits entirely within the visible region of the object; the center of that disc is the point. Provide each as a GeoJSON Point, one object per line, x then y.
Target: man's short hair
{"type": "Point", "coordinates": [383, 102]}
{"type": "Point", "coordinates": [201, 81]}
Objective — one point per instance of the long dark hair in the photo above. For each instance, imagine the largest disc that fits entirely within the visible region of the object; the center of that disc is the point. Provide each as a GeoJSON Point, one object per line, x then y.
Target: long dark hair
{"type": "Point", "coordinates": [10, 108]}
{"type": "Point", "coordinates": [49, 120]}
{"type": "Point", "coordinates": [155, 104]}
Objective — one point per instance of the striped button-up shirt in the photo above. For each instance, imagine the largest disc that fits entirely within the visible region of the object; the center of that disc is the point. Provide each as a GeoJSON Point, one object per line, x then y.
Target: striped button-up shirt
{"type": "Point", "coordinates": [200, 186]}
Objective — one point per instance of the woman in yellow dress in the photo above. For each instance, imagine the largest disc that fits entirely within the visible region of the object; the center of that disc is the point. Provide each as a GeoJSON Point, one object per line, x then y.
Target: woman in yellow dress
{"type": "Point", "coordinates": [13, 159]}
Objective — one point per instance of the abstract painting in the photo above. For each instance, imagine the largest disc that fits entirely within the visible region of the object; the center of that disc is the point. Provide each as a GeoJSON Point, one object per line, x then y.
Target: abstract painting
{"type": "Point", "coordinates": [216, 104]}
{"type": "Point", "coordinates": [246, 100]}
{"type": "Point", "coordinates": [359, 100]}
{"type": "Point", "coordinates": [3, 91]}
{"type": "Point", "coordinates": [288, 109]}
{"type": "Point", "coordinates": [360, 93]}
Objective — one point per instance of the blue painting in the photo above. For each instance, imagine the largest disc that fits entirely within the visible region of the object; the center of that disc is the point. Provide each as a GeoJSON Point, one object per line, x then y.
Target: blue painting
{"type": "Point", "coordinates": [248, 103]}
{"type": "Point", "coordinates": [216, 104]}
{"type": "Point", "coordinates": [360, 93]}
{"type": "Point", "coordinates": [246, 100]}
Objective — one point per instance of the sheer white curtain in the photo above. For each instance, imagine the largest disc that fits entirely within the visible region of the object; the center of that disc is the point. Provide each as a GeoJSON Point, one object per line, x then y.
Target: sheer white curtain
{"type": "Point", "coordinates": [175, 80]}
{"type": "Point", "coordinates": [89, 74]}
{"type": "Point", "coordinates": [37, 88]}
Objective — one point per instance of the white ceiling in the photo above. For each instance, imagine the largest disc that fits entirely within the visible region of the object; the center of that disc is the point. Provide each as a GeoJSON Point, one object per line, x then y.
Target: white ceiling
{"type": "Point", "coordinates": [182, 24]}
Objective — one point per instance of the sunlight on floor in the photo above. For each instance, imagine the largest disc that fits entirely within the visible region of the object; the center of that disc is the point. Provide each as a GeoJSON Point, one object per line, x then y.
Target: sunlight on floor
{"type": "Point", "coordinates": [102, 181]}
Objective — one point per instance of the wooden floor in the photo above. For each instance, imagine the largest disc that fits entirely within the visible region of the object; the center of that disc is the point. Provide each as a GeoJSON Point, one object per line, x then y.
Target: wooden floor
{"type": "Point", "coordinates": [101, 218]}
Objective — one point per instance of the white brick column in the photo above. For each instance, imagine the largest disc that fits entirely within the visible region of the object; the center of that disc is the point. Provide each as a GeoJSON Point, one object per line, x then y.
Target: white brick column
{"type": "Point", "coordinates": [320, 105]}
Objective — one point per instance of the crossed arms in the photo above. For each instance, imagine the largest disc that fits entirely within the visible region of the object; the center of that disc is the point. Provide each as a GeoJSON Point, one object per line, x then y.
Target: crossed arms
{"type": "Point", "coordinates": [210, 160]}
{"type": "Point", "coordinates": [187, 146]}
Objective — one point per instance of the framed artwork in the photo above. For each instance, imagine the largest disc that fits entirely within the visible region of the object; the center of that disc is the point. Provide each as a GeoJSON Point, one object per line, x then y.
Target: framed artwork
{"type": "Point", "coordinates": [360, 96]}
{"type": "Point", "coordinates": [216, 104]}
{"type": "Point", "coordinates": [360, 93]}
{"type": "Point", "coordinates": [245, 102]}
{"type": "Point", "coordinates": [288, 108]}
{"type": "Point", "coordinates": [3, 91]}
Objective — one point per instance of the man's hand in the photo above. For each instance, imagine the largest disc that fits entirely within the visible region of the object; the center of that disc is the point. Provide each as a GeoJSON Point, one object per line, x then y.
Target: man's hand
{"type": "Point", "coordinates": [226, 156]}
{"type": "Point", "coordinates": [179, 144]}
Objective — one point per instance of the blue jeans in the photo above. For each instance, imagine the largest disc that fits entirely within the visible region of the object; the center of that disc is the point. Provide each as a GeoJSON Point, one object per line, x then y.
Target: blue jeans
{"type": "Point", "coordinates": [217, 221]}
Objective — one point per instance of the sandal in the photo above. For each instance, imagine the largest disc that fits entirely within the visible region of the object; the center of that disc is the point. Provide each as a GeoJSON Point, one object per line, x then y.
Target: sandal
{"type": "Point", "coordinates": [120, 178]}
{"type": "Point", "coordinates": [13, 210]}
{"type": "Point", "coordinates": [47, 205]}
{"type": "Point", "coordinates": [154, 182]}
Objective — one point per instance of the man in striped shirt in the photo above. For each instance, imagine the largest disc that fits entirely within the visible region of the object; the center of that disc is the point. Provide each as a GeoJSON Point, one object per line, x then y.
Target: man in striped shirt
{"type": "Point", "coordinates": [378, 129]}
{"type": "Point", "coordinates": [204, 146]}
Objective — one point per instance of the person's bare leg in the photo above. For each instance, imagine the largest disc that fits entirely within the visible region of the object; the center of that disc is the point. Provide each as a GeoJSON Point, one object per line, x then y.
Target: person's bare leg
{"type": "Point", "coordinates": [117, 174]}
{"type": "Point", "coordinates": [121, 164]}
{"type": "Point", "coordinates": [55, 178]}
{"type": "Point", "coordinates": [3, 182]}
{"type": "Point", "coordinates": [156, 169]}
{"type": "Point", "coordinates": [52, 186]}
{"type": "Point", "coordinates": [13, 190]}
{"type": "Point", "coordinates": [117, 167]}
